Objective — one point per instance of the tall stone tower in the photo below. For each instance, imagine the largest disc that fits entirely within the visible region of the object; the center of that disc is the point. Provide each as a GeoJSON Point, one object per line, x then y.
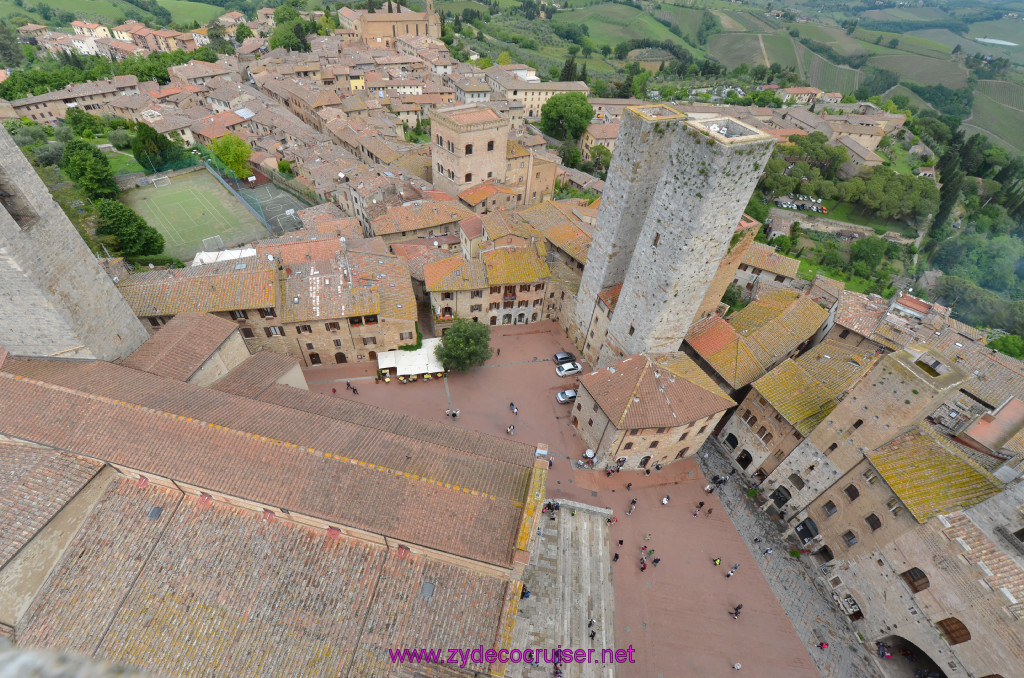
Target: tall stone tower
{"type": "Point", "coordinates": [55, 300]}
{"type": "Point", "coordinates": [674, 194]}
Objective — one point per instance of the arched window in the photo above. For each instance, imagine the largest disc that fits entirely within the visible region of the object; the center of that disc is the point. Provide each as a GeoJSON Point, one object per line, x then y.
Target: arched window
{"type": "Point", "coordinates": [469, 149]}
{"type": "Point", "coordinates": [767, 438]}
{"type": "Point", "coordinates": [761, 431]}
{"type": "Point", "coordinates": [954, 630]}
{"type": "Point", "coordinates": [780, 496]}
{"type": "Point", "coordinates": [873, 521]}
{"type": "Point", "coordinates": [340, 358]}
{"type": "Point", "coordinates": [644, 462]}
{"type": "Point", "coordinates": [731, 441]}
{"type": "Point", "coordinates": [916, 579]}
{"type": "Point", "coordinates": [469, 177]}
{"type": "Point", "coordinates": [752, 422]}
{"type": "Point", "coordinates": [796, 481]}
{"type": "Point", "coordinates": [744, 459]}
{"type": "Point", "coordinates": [852, 492]}
{"type": "Point", "coordinates": [314, 358]}
{"type": "Point", "coordinates": [746, 415]}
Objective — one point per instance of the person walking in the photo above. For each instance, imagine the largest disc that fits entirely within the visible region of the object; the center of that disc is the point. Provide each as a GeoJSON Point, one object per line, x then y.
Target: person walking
{"type": "Point", "coordinates": [515, 411]}
{"type": "Point", "coordinates": [736, 611]}
{"type": "Point", "coordinates": [717, 561]}
{"type": "Point", "coordinates": [700, 506]}
{"type": "Point", "coordinates": [511, 406]}
{"type": "Point", "coordinates": [499, 351]}
{"type": "Point", "coordinates": [348, 385]}
{"type": "Point", "coordinates": [696, 513]}
{"type": "Point", "coordinates": [334, 391]}
{"type": "Point", "coordinates": [592, 634]}
{"type": "Point", "coordinates": [509, 430]}
{"type": "Point", "coordinates": [822, 646]}
{"type": "Point", "coordinates": [737, 666]}
{"type": "Point", "coordinates": [648, 537]}
{"type": "Point", "coordinates": [709, 512]}
{"type": "Point", "coordinates": [629, 486]}
{"type": "Point", "coordinates": [768, 551]}
{"type": "Point", "coordinates": [656, 561]}
{"type": "Point", "coordinates": [355, 391]}
{"type": "Point", "coordinates": [735, 567]}
{"type": "Point", "coordinates": [665, 500]}
{"type": "Point", "coordinates": [616, 558]}
{"type": "Point", "coordinates": [729, 574]}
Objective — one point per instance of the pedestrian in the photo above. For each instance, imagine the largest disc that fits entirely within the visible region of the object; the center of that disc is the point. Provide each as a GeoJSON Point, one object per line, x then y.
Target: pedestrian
{"type": "Point", "coordinates": [509, 430]}
{"type": "Point", "coordinates": [696, 513]}
{"type": "Point", "coordinates": [717, 561]}
{"type": "Point", "coordinates": [768, 551]}
{"type": "Point", "coordinates": [511, 406]}
{"type": "Point", "coordinates": [643, 567]}
{"type": "Point", "coordinates": [700, 506]}
{"type": "Point", "coordinates": [729, 574]}
{"type": "Point", "coordinates": [822, 646]}
{"type": "Point", "coordinates": [648, 537]}
{"type": "Point", "coordinates": [334, 391]}
{"type": "Point", "coordinates": [708, 489]}
{"type": "Point", "coordinates": [455, 414]}
{"type": "Point", "coordinates": [656, 561]}
{"type": "Point", "coordinates": [512, 429]}
{"type": "Point", "coordinates": [590, 624]}
{"type": "Point", "coordinates": [499, 351]}
{"type": "Point", "coordinates": [665, 500]}
{"type": "Point", "coordinates": [735, 567]}
{"type": "Point", "coordinates": [355, 391]}
{"type": "Point", "coordinates": [620, 542]}
{"type": "Point", "coordinates": [736, 610]}
{"type": "Point", "coordinates": [616, 558]}
{"type": "Point", "coordinates": [643, 549]}
{"type": "Point", "coordinates": [592, 634]}
{"type": "Point", "coordinates": [447, 413]}
{"type": "Point", "coordinates": [737, 666]}
{"type": "Point", "coordinates": [629, 486]}
{"type": "Point", "coordinates": [757, 540]}
{"type": "Point", "coordinates": [633, 502]}
{"type": "Point", "coordinates": [709, 512]}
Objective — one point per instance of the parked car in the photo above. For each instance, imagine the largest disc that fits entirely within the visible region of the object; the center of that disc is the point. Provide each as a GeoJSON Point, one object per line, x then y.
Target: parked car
{"type": "Point", "coordinates": [568, 369]}
{"type": "Point", "coordinates": [566, 396]}
{"type": "Point", "coordinates": [563, 357]}
{"type": "Point", "coordinates": [778, 204]}
{"type": "Point", "coordinates": [824, 210]}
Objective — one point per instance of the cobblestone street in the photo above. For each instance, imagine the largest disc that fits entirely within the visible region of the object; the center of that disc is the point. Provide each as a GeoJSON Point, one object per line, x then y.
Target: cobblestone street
{"type": "Point", "coordinates": [795, 582]}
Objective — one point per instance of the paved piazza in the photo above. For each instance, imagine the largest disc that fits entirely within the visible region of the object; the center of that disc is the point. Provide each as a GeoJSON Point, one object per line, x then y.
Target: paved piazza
{"type": "Point", "coordinates": [675, 615]}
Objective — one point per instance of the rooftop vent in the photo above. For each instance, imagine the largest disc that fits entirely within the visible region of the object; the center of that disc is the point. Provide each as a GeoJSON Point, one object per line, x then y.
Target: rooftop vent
{"type": "Point", "coordinates": [155, 512]}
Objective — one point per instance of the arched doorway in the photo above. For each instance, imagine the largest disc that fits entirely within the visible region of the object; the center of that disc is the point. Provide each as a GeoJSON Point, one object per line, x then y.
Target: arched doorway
{"type": "Point", "coordinates": [916, 579]}
{"type": "Point", "coordinates": [575, 421]}
{"type": "Point", "coordinates": [807, 530]}
{"type": "Point", "coordinates": [339, 358]}
{"type": "Point", "coordinates": [780, 496]}
{"type": "Point", "coordinates": [521, 318]}
{"type": "Point", "coordinates": [644, 462]}
{"type": "Point", "coordinates": [373, 355]}
{"type": "Point", "coordinates": [314, 358]}
{"type": "Point", "coordinates": [744, 459]}
{"type": "Point", "coordinates": [731, 442]}
{"type": "Point", "coordinates": [824, 554]}
{"type": "Point", "coordinates": [494, 320]}
{"type": "Point", "coordinates": [506, 319]}
{"type": "Point", "coordinates": [917, 662]}
{"type": "Point", "coordinates": [954, 630]}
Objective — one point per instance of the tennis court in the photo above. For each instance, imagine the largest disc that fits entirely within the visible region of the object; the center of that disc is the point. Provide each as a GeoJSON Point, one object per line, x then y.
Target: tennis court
{"type": "Point", "coordinates": [193, 207]}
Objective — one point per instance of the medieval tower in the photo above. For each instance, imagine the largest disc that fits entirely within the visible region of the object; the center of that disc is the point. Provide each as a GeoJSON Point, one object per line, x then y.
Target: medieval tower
{"type": "Point", "coordinates": [55, 300]}
{"type": "Point", "coordinates": [675, 193]}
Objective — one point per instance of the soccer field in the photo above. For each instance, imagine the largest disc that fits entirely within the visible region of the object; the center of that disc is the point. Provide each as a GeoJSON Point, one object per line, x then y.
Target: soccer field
{"type": "Point", "coordinates": [193, 207]}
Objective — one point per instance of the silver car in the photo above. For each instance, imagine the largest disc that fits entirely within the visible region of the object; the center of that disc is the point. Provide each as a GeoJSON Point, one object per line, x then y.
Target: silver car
{"type": "Point", "coordinates": [568, 369]}
{"type": "Point", "coordinates": [567, 396]}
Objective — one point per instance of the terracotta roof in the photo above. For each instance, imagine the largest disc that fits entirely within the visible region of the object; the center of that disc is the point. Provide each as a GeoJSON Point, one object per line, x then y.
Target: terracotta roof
{"type": "Point", "coordinates": [343, 463]}
{"type": "Point", "coordinates": [743, 348]}
{"type": "Point", "coordinates": [425, 214]}
{"type": "Point", "coordinates": [181, 346]}
{"type": "Point", "coordinates": [999, 571]}
{"type": "Point", "coordinates": [766, 258]}
{"type": "Point", "coordinates": [471, 115]}
{"type": "Point", "coordinates": [509, 265]}
{"type": "Point", "coordinates": [804, 391]}
{"type": "Point", "coordinates": [860, 312]}
{"type": "Point", "coordinates": [472, 226]}
{"type": "Point", "coordinates": [256, 374]}
{"type": "Point", "coordinates": [610, 296]}
{"type": "Point", "coordinates": [209, 589]}
{"type": "Point", "coordinates": [561, 227]}
{"type": "Point", "coordinates": [655, 390]}
{"type": "Point", "coordinates": [453, 274]}
{"type": "Point", "coordinates": [931, 475]}
{"type": "Point", "coordinates": [200, 289]}
{"type": "Point", "coordinates": [606, 130]}
{"type": "Point", "coordinates": [35, 483]}
{"type": "Point", "coordinates": [480, 193]}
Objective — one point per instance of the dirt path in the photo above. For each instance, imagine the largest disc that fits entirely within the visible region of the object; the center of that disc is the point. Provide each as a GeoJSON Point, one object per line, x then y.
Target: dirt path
{"type": "Point", "coordinates": [812, 222]}
{"type": "Point", "coordinates": [764, 52]}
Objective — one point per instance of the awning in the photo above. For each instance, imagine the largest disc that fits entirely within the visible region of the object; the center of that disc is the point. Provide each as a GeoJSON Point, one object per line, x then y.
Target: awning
{"type": "Point", "coordinates": [407, 363]}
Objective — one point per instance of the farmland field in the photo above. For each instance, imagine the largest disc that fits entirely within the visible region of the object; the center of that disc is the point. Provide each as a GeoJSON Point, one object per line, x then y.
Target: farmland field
{"type": "Point", "coordinates": [752, 22]}
{"type": "Point", "coordinates": [111, 12]}
{"type": "Point", "coordinates": [836, 38]}
{"type": "Point", "coordinates": [1003, 29]}
{"type": "Point", "coordinates": [459, 5]}
{"type": "Point", "coordinates": [733, 49]}
{"type": "Point", "coordinates": [826, 75]}
{"type": "Point", "coordinates": [1006, 93]}
{"type": "Point", "coordinates": [729, 24]}
{"type": "Point", "coordinates": [1000, 123]}
{"type": "Point", "coordinates": [780, 49]}
{"type": "Point", "coordinates": [610, 24]}
{"type": "Point", "coordinates": [910, 94]}
{"type": "Point", "coordinates": [923, 70]}
{"type": "Point", "coordinates": [688, 20]}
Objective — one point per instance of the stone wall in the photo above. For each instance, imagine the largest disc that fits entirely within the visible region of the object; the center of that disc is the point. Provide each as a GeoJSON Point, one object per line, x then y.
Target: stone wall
{"type": "Point", "coordinates": [55, 299]}
{"type": "Point", "coordinates": [230, 355]}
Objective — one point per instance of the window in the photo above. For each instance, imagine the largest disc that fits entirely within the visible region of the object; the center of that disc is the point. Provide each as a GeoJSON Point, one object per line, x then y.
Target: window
{"type": "Point", "coordinates": [852, 492]}
{"type": "Point", "coordinates": [894, 506]}
{"type": "Point", "coordinates": [702, 429]}
{"type": "Point", "coordinates": [850, 538]}
{"type": "Point", "coordinates": [476, 307]}
{"type": "Point", "coordinates": [954, 630]}
{"type": "Point", "coordinates": [369, 341]}
{"type": "Point", "coordinates": [274, 331]}
{"type": "Point", "coordinates": [490, 145]}
{"type": "Point", "coordinates": [494, 305]}
{"type": "Point", "coordinates": [830, 508]}
{"type": "Point", "coordinates": [628, 446]}
{"type": "Point", "coordinates": [796, 481]}
{"type": "Point", "coordinates": [405, 335]}
{"type": "Point", "coordinates": [332, 326]}
{"type": "Point", "coordinates": [446, 295]}
{"type": "Point", "coordinates": [337, 343]}
{"type": "Point", "coordinates": [762, 402]}
{"type": "Point", "coordinates": [239, 315]}
{"type": "Point", "coordinates": [469, 177]}
{"type": "Point", "coordinates": [873, 521]}
{"type": "Point", "coordinates": [496, 289]}
{"type": "Point", "coordinates": [857, 424]}
{"type": "Point", "coordinates": [661, 430]}
{"type": "Point", "coordinates": [590, 422]}
{"type": "Point", "coordinates": [871, 477]}
{"type": "Point", "coordinates": [654, 444]}
{"type": "Point", "coordinates": [916, 579]}
{"type": "Point", "coordinates": [682, 453]}
{"type": "Point", "coordinates": [309, 347]}
{"type": "Point", "coordinates": [634, 431]}
{"type": "Point", "coordinates": [844, 334]}
{"type": "Point", "coordinates": [476, 294]}
{"type": "Point", "coordinates": [761, 431]}
{"type": "Point", "coordinates": [300, 329]}
{"type": "Point", "coordinates": [247, 333]}
{"type": "Point", "coordinates": [683, 437]}
{"type": "Point", "coordinates": [469, 149]}
{"type": "Point", "coordinates": [832, 447]}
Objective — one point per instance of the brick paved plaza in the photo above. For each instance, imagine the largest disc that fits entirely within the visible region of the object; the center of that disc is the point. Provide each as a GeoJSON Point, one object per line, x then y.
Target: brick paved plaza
{"type": "Point", "coordinates": [676, 615]}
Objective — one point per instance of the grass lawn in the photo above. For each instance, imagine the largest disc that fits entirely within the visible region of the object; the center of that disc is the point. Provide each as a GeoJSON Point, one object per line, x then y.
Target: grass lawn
{"type": "Point", "coordinates": [809, 270]}
{"type": "Point", "coordinates": [610, 24]}
{"type": "Point", "coordinates": [123, 164]}
{"type": "Point", "coordinates": [193, 207]}
{"type": "Point", "coordinates": [852, 214]}
{"type": "Point", "coordinates": [1000, 123]}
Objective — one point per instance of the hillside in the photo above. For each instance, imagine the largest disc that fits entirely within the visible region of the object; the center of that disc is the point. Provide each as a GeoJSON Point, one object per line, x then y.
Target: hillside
{"type": "Point", "coordinates": [112, 12]}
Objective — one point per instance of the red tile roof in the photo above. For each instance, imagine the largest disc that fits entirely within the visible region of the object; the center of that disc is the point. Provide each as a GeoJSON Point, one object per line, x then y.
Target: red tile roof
{"type": "Point", "coordinates": [256, 374]}
{"type": "Point", "coordinates": [412, 480]}
{"type": "Point", "coordinates": [181, 346]}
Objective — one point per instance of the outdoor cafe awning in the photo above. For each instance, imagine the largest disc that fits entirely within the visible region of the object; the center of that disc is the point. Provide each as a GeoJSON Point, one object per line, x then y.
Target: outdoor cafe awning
{"type": "Point", "coordinates": [407, 363]}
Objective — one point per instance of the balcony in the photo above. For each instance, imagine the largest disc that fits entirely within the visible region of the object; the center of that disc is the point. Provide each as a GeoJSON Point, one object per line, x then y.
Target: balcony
{"type": "Point", "coordinates": [509, 297]}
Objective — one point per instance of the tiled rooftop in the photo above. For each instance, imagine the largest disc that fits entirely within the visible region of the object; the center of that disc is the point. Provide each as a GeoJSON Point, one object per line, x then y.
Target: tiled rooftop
{"type": "Point", "coordinates": [655, 390]}
{"type": "Point", "coordinates": [35, 483]}
{"type": "Point", "coordinates": [931, 475]}
{"type": "Point", "coordinates": [454, 273]}
{"type": "Point", "coordinates": [255, 374]}
{"type": "Point", "coordinates": [345, 463]}
{"type": "Point", "coordinates": [610, 296]}
{"type": "Point", "coordinates": [513, 265]}
{"type": "Point", "coordinates": [213, 590]}
{"type": "Point", "coordinates": [766, 258]}
{"type": "Point", "coordinates": [805, 390]}
{"type": "Point", "coordinates": [200, 289]}
{"type": "Point", "coordinates": [181, 346]}
{"type": "Point", "coordinates": [561, 227]}
{"type": "Point", "coordinates": [425, 214]}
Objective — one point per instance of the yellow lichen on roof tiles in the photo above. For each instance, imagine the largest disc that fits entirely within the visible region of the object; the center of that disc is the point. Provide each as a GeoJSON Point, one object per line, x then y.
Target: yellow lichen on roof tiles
{"type": "Point", "coordinates": [764, 257]}
{"type": "Point", "coordinates": [930, 474]}
{"type": "Point", "coordinates": [453, 274]}
{"type": "Point", "coordinates": [513, 265]}
{"type": "Point", "coordinates": [200, 289]}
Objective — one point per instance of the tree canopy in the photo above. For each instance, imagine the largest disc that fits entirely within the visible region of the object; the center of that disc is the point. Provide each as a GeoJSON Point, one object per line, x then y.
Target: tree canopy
{"type": "Point", "coordinates": [566, 116]}
{"type": "Point", "coordinates": [134, 236]}
{"type": "Point", "coordinates": [234, 152]}
{"type": "Point", "coordinates": [465, 344]}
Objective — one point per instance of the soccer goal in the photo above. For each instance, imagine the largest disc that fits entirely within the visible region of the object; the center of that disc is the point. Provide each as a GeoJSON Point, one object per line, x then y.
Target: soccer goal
{"type": "Point", "coordinates": [214, 242]}
{"type": "Point", "coordinates": [161, 181]}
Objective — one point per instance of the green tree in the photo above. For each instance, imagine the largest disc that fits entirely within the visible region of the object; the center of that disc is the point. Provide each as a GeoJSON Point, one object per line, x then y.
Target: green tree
{"type": "Point", "coordinates": [234, 152]}
{"type": "Point", "coordinates": [783, 243]}
{"type": "Point", "coordinates": [466, 344]}
{"type": "Point", "coordinates": [504, 59]}
{"type": "Point", "coordinates": [243, 32]}
{"type": "Point", "coordinates": [566, 116]}
{"type": "Point", "coordinates": [11, 55]}
{"type": "Point", "coordinates": [120, 138]}
{"type": "Point", "coordinates": [868, 251]}
{"type": "Point", "coordinates": [76, 152]}
{"type": "Point", "coordinates": [606, 50]}
{"type": "Point", "coordinates": [601, 156]}
{"type": "Point", "coordinates": [50, 154]}
{"type": "Point", "coordinates": [894, 43]}
{"type": "Point", "coordinates": [63, 133]}
{"type": "Point", "coordinates": [96, 178]}
{"type": "Point", "coordinates": [134, 236]}
{"type": "Point", "coordinates": [1009, 344]}
{"type": "Point", "coordinates": [148, 146]}
{"type": "Point", "coordinates": [284, 14]}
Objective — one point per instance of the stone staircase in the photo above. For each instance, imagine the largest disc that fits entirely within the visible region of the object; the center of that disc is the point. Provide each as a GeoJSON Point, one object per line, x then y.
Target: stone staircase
{"type": "Point", "coordinates": [570, 582]}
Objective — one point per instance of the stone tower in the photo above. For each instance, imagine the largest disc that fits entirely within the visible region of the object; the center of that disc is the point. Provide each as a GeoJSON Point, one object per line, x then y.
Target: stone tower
{"type": "Point", "coordinates": [674, 194]}
{"type": "Point", "coordinates": [55, 300]}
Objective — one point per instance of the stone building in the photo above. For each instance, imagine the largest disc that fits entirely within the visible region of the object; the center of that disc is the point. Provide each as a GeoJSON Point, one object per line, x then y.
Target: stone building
{"type": "Point", "coordinates": [763, 264]}
{"type": "Point", "coordinates": [598, 134]}
{"type": "Point", "coordinates": [673, 198]}
{"type": "Point", "coordinates": [787, 404]}
{"type": "Point", "coordinates": [740, 244]}
{"type": "Point", "coordinates": [55, 299]}
{"type": "Point", "coordinates": [470, 143]}
{"type": "Point", "coordinates": [420, 219]}
{"type": "Point", "coordinates": [517, 82]}
{"type": "Point", "coordinates": [647, 410]}
{"type": "Point", "coordinates": [381, 28]}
